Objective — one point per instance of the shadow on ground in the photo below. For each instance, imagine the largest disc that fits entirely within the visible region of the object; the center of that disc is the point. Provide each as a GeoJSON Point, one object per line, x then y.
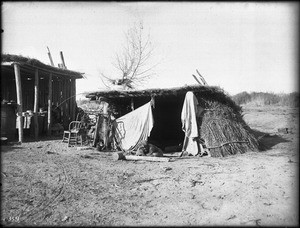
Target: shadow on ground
{"type": "Point", "coordinates": [267, 141]}
{"type": "Point", "coordinates": [41, 138]}
{"type": "Point", "coordinates": [9, 148]}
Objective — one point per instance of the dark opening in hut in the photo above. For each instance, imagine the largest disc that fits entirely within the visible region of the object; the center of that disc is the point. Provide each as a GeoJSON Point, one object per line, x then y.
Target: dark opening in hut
{"type": "Point", "coordinates": [167, 129]}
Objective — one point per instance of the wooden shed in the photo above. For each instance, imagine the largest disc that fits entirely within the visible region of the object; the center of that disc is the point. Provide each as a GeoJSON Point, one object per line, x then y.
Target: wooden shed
{"type": "Point", "coordinates": [35, 90]}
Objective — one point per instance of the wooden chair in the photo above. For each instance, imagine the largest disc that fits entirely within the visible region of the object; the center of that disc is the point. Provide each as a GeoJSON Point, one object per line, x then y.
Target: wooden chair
{"type": "Point", "coordinates": [73, 135]}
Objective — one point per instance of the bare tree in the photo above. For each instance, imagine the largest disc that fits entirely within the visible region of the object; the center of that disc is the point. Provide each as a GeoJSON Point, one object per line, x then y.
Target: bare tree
{"type": "Point", "coordinates": [132, 62]}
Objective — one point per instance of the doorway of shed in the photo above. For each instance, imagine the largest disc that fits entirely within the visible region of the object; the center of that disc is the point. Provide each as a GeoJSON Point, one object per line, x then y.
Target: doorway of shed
{"type": "Point", "coordinates": [167, 129]}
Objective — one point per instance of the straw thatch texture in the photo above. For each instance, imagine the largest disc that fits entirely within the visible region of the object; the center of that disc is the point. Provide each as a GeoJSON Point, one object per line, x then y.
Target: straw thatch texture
{"type": "Point", "coordinates": [160, 92]}
{"type": "Point", "coordinates": [224, 131]}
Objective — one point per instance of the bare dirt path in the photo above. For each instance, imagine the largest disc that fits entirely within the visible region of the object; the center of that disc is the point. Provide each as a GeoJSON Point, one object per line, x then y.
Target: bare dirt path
{"type": "Point", "coordinates": [47, 183]}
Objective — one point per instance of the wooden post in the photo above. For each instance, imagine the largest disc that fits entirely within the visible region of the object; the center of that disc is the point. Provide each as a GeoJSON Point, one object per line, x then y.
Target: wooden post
{"type": "Point", "coordinates": [49, 105]}
{"type": "Point", "coordinates": [36, 104]}
{"type": "Point", "coordinates": [62, 60]}
{"type": "Point", "coordinates": [54, 91]}
{"type": "Point", "coordinates": [73, 94]}
{"type": "Point", "coordinates": [104, 124]}
{"type": "Point", "coordinates": [68, 101]}
{"type": "Point", "coordinates": [105, 108]}
{"type": "Point", "coordinates": [63, 109]}
{"type": "Point", "coordinates": [153, 101]}
{"type": "Point", "coordinates": [201, 77]}
{"type": "Point", "coordinates": [197, 80]}
{"type": "Point", "coordinates": [71, 100]}
{"type": "Point", "coordinates": [95, 140]}
{"type": "Point", "coordinates": [74, 91]}
{"type": "Point", "coordinates": [64, 106]}
{"type": "Point", "coordinates": [59, 91]}
{"type": "Point", "coordinates": [50, 57]}
{"type": "Point", "coordinates": [132, 104]}
{"type": "Point", "coordinates": [19, 101]}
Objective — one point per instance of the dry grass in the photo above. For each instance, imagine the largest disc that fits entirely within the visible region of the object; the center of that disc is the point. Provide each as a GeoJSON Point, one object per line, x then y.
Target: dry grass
{"type": "Point", "coordinates": [225, 132]}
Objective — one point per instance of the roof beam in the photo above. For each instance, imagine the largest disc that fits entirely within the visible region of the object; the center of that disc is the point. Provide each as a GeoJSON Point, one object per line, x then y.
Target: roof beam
{"type": "Point", "coordinates": [24, 65]}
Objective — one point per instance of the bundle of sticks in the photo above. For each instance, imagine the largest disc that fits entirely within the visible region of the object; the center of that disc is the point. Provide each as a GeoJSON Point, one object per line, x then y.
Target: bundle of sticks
{"type": "Point", "coordinates": [224, 132]}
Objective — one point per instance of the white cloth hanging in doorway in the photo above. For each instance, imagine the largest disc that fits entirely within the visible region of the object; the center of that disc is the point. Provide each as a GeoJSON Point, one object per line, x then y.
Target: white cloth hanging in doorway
{"type": "Point", "coordinates": [189, 124]}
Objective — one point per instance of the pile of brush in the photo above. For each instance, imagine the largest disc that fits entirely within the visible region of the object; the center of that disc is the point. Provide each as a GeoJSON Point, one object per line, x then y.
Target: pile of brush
{"type": "Point", "coordinates": [224, 130]}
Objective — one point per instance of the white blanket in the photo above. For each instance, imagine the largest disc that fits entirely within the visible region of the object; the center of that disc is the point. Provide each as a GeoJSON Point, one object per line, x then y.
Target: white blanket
{"type": "Point", "coordinates": [189, 124]}
{"type": "Point", "coordinates": [134, 127]}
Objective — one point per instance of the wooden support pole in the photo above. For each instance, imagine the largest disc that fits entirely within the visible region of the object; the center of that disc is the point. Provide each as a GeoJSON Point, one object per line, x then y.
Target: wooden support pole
{"type": "Point", "coordinates": [49, 105]}
{"type": "Point", "coordinates": [36, 104]}
{"type": "Point", "coordinates": [54, 91]}
{"type": "Point", "coordinates": [152, 101]}
{"type": "Point", "coordinates": [50, 57]}
{"type": "Point", "coordinates": [73, 99]}
{"type": "Point", "coordinates": [104, 124]}
{"type": "Point", "coordinates": [96, 134]}
{"type": "Point", "coordinates": [105, 108]}
{"type": "Point", "coordinates": [202, 78]}
{"type": "Point", "coordinates": [132, 104]}
{"type": "Point", "coordinates": [62, 60]}
{"type": "Point", "coordinates": [19, 101]}
{"type": "Point", "coordinates": [59, 91]}
{"type": "Point", "coordinates": [65, 104]}
{"type": "Point", "coordinates": [68, 101]}
{"type": "Point", "coordinates": [197, 80]}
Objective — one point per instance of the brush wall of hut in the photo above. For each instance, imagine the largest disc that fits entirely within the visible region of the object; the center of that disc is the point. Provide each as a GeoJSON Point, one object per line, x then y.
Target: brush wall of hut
{"type": "Point", "coordinates": [224, 131]}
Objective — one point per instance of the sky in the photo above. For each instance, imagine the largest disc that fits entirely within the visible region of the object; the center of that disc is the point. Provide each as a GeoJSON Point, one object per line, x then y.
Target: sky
{"type": "Point", "coordinates": [239, 46]}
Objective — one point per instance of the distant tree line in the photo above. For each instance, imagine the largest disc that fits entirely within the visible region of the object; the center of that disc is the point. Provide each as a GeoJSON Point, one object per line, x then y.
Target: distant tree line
{"type": "Point", "coordinates": [260, 98]}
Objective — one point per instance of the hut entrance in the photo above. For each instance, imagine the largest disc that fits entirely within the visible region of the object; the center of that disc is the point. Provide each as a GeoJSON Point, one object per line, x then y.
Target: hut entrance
{"type": "Point", "coordinates": [167, 129]}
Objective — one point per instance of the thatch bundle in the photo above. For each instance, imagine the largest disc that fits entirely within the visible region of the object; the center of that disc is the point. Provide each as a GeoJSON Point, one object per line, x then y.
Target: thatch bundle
{"type": "Point", "coordinates": [224, 131]}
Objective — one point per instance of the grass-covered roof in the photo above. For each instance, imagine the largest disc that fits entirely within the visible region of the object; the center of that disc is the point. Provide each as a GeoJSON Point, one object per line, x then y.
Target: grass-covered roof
{"type": "Point", "coordinates": [34, 63]}
{"type": "Point", "coordinates": [205, 92]}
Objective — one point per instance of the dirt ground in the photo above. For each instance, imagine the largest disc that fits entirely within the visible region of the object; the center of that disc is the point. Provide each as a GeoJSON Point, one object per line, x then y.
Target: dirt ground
{"type": "Point", "coordinates": [47, 183]}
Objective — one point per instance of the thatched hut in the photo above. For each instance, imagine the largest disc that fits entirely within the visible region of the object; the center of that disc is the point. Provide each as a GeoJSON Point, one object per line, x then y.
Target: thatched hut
{"type": "Point", "coordinates": [220, 125]}
{"type": "Point", "coordinates": [35, 90]}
